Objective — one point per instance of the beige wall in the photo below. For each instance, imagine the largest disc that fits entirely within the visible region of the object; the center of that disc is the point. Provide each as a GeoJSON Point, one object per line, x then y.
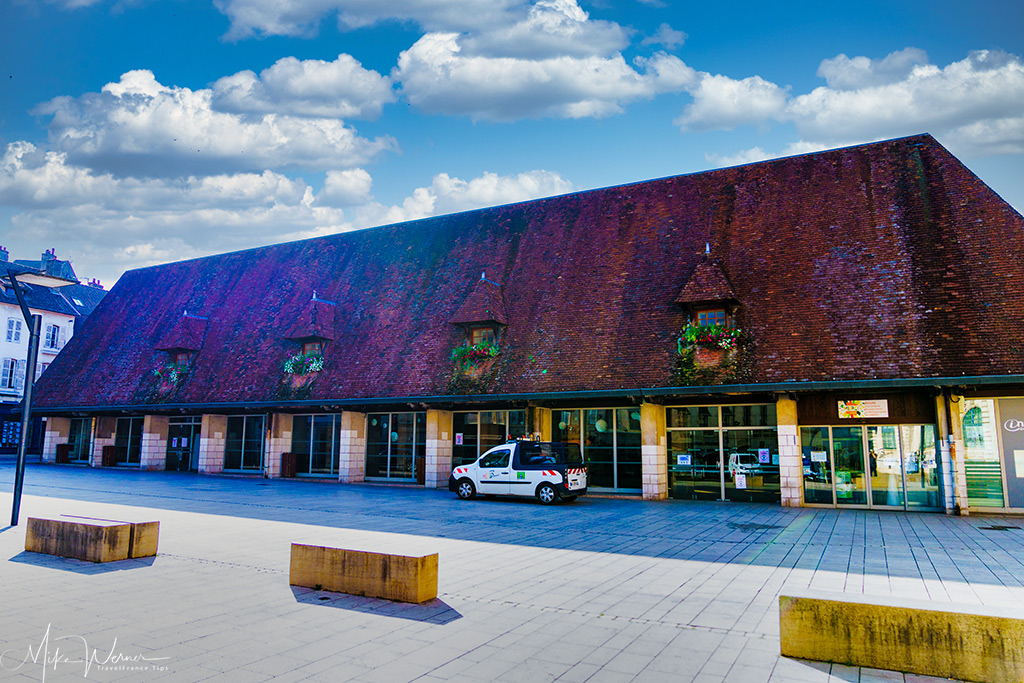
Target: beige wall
{"type": "Point", "coordinates": [440, 440]}
{"type": "Point", "coordinates": [106, 428]}
{"type": "Point", "coordinates": [154, 443]}
{"type": "Point", "coordinates": [352, 447]}
{"type": "Point", "coordinates": [211, 443]}
{"type": "Point", "coordinates": [654, 451]}
{"type": "Point", "coordinates": [57, 431]}
{"type": "Point", "coordinates": [791, 465]}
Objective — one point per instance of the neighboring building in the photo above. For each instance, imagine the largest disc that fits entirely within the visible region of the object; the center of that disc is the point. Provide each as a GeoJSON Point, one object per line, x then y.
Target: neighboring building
{"type": "Point", "coordinates": [52, 291]}
{"type": "Point", "coordinates": [840, 328]}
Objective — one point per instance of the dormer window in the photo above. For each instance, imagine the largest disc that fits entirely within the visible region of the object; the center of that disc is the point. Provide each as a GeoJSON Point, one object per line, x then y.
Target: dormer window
{"type": "Point", "coordinates": [482, 334]}
{"type": "Point", "coordinates": [181, 358]}
{"type": "Point", "coordinates": [313, 348]}
{"type": "Point", "coordinates": [711, 316]}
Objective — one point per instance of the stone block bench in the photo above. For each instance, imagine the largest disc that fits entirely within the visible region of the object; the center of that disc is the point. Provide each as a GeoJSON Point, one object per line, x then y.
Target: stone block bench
{"type": "Point", "coordinates": [965, 642]}
{"type": "Point", "coordinates": [89, 539]}
{"type": "Point", "coordinates": [377, 575]}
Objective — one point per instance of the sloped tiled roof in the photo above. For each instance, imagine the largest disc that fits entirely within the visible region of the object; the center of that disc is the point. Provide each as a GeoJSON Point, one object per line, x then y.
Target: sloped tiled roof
{"type": "Point", "coordinates": [707, 282]}
{"type": "Point", "coordinates": [889, 260]}
{"type": "Point", "coordinates": [185, 335]}
{"type": "Point", "coordinates": [484, 303]}
{"type": "Point", "coordinates": [315, 320]}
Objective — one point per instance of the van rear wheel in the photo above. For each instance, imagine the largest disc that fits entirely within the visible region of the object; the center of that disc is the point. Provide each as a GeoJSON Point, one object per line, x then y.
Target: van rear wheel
{"type": "Point", "coordinates": [547, 494]}
{"type": "Point", "coordinates": [465, 490]}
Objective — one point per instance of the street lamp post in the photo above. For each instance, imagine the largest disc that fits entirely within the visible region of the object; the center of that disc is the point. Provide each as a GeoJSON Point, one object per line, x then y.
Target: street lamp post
{"type": "Point", "coordinates": [34, 324]}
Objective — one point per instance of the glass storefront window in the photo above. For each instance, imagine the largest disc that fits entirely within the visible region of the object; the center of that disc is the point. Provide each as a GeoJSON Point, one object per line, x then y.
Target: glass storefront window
{"type": "Point", "coordinates": [921, 466]}
{"type": "Point", "coordinates": [817, 465]}
{"type": "Point", "coordinates": [848, 456]}
{"type": "Point", "coordinates": [315, 444]}
{"type": "Point", "coordinates": [752, 461]}
{"type": "Point", "coordinates": [628, 461]}
{"type": "Point", "coordinates": [728, 452]}
{"type": "Point", "coordinates": [981, 457]}
{"type": "Point", "coordinates": [477, 432]}
{"type": "Point", "coordinates": [80, 439]}
{"type": "Point", "coordinates": [885, 465]}
{"type": "Point", "coordinates": [395, 445]}
{"type": "Point", "coordinates": [243, 448]}
{"type": "Point", "coordinates": [128, 440]}
{"type": "Point", "coordinates": [610, 443]}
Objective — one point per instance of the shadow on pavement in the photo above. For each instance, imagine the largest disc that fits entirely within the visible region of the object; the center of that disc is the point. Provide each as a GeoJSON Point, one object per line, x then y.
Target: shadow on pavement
{"type": "Point", "coordinates": [432, 612]}
{"type": "Point", "coordinates": [70, 564]}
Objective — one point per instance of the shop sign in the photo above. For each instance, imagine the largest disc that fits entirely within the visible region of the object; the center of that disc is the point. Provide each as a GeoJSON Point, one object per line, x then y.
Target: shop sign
{"type": "Point", "coordinates": [851, 410]}
{"type": "Point", "coordinates": [741, 481]}
{"type": "Point", "coordinates": [764, 456]}
{"type": "Point", "coordinates": [1012, 412]}
{"type": "Point", "coordinates": [819, 456]}
{"type": "Point", "coordinates": [458, 439]}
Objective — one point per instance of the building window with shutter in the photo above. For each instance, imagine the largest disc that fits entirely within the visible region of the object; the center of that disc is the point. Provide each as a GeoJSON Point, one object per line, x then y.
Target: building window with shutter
{"type": "Point", "coordinates": [13, 330]}
{"type": "Point", "coordinates": [12, 375]}
{"type": "Point", "coordinates": [54, 337]}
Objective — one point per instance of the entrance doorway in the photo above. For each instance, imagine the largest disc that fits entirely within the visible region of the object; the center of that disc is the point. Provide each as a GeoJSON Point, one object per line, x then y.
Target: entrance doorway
{"type": "Point", "coordinates": [873, 466]}
{"type": "Point", "coordinates": [183, 444]}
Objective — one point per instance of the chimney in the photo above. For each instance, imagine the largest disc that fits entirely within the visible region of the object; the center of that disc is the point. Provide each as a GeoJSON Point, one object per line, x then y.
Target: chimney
{"type": "Point", "coordinates": [48, 255]}
{"type": "Point", "coordinates": [4, 254]}
{"type": "Point", "coordinates": [95, 283]}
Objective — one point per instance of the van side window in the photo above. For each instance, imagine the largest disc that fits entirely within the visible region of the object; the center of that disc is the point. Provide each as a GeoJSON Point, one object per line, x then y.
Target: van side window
{"type": "Point", "coordinates": [536, 456]}
{"type": "Point", "coordinates": [495, 459]}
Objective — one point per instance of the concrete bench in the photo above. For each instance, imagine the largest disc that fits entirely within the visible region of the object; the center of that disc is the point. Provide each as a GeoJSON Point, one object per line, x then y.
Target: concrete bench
{"type": "Point", "coordinates": [91, 539]}
{"type": "Point", "coordinates": [965, 642]}
{"type": "Point", "coordinates": [144, 537]}
{"type": "Point", "coordinates": [378, 575]}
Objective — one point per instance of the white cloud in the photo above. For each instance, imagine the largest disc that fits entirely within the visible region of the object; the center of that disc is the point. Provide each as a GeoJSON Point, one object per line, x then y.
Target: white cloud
{"type": "Point", "coordinates": [746, 156]}
{"type": "Point", "coordinates": [723, 103]}
{"type": "Point", "coordinates": [346, 188]}
{"type": "Point", "coordinates": [140, 127]}
{"type": "Point", "coordinates": [667, 36]}
{"type": "Point", "coordinates": [844, 73]}
{"type": "Point", "coordinates": [436, 77]}
{"type": "Point", "coordinates": [312, 87]}
{"type": "Point", "coordinates": [971, 97]}
{"type": "Point", "coordinates": [449, 195]}
{"type": "Point", "coordinates": [551, 28]}
{"type": "Point", "coordinates": [302, 17]}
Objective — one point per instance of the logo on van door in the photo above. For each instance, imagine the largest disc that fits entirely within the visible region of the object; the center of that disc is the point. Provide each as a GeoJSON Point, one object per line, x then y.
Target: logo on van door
{"type": "Point", "coordinates": [1013, 425]}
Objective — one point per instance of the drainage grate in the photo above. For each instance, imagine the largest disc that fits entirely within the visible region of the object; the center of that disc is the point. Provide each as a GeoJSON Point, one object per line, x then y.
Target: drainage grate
{"type": "Point", "coordinates": [324, 597]}
{"type": "Point", "coordinates": [997, 527]}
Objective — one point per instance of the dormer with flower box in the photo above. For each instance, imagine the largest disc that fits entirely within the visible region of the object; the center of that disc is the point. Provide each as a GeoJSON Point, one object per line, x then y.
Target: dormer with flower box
{"type": "Point", "coordinates": [181, 343]}
{"type": "Point", "coordinates": [709, 338]}
{"type": "Point", "coordinates": [313, 329]}
{"type": "Point", "coordinates": [482, 318]}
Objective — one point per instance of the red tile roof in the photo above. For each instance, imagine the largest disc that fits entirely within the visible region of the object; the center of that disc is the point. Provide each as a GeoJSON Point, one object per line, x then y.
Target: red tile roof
{"type": "Point", "coordinates": [887, 260]}
{"type": "Point", "coordinates": [707, 282]}
{"type": "Point", "coordinates": [315, 320]}
{"type": "Point", "coordinates": [185, 335]}
{"type": "Point", "coordinates": [483, 304]}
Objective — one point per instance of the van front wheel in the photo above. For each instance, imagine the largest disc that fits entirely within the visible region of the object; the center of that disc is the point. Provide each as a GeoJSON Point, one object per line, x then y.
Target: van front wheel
{"type": "Point", "coordinates": [547, 494]}
{"type": "Point", "coordinates": [465, 489]}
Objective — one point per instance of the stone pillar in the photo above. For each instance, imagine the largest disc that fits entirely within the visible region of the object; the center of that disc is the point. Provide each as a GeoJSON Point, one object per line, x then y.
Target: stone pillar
{"type": "Point", "coordinates": [653, 451]}
{"type": "Point", "coordinates": [154, 443]}
{"type": "Point", "coordinates": [791, 462]}
{"type": "Point", "coordinates": [57, 431]}
{"type": "Point", "coordinates": [953, 453]}
{"type": "Point", "coordinates": [352, 447]}
{"type": "Point", "coordinates": [440, 439]}
{"type": "Point", "coordinates": [212, 439]}
{"type": "Point", "coordinates": [279, 440]}
{"type": "Point", "coordinates": [541, 423]}
{"type": "Point", "coordinates": [106, 431]}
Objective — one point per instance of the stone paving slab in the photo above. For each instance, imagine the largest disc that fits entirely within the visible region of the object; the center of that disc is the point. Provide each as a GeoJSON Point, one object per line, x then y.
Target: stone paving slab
{"type": "Point", "coordinates": [603, 589]}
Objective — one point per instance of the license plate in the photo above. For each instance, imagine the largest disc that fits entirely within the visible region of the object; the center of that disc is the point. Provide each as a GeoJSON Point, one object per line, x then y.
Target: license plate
{"type": "Point", "coordinates": [574, 483]}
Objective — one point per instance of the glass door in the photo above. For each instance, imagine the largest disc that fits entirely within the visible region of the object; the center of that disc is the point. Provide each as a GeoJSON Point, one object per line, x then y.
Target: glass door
{"type": "Point", "coordinates": [815, 445]}
{"type": "Point", "coordinates": [885, 466]}
{"type": "Point", "coordinates": [182, 445]}
{"type": "Point", "coordinates": [848, 456]}
{"type": "Point", "coordinates": [695, 465]}
{"type": "Point", "coordinates": [921, 467]}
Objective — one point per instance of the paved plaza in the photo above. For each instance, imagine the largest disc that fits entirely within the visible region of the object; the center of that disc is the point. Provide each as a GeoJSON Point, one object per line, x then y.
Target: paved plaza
{"type": "Point", "coordinates": [604, 589]}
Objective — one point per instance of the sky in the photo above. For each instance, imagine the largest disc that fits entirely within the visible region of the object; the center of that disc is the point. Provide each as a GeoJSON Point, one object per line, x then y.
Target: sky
{"type": "Point", "coordinates": [138, 132]}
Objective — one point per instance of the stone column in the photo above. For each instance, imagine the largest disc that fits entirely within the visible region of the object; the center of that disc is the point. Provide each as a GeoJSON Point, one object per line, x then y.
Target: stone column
{"type": "Point", "coordinates": [953, 453]}
{"type": "Point", "coordinates": [57, 431]}
{"type": "Point", "coordinates": [791, 462]}
{"type": "Point", "coordinates": [653, 451]}
{"type": "Point", "coordinates": [154, 443]}
{"type": "Point", "coordinates": [279, 441]}
{"type": "Point", "coordinates": [440, 439]}
{"type": "Point", "coordinates": [541, 423]}
{"type": "Point", "coordinates": [352, 447]}
{"type": "Point", "coordinates": [212, 439]}
{"type": "Point", "coordinates": [106, 431]}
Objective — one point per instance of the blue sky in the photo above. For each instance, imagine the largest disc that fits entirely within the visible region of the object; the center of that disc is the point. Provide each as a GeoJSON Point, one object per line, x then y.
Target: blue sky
{"type": "Point", "coordinates": [136, 132]}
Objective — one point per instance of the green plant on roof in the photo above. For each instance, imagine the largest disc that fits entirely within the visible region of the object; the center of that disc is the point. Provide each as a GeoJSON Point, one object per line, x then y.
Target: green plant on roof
{"type": "Point", "coordinates": [467, 355]}
{"type": "Point", "coordinates": [172, 372]}
{"type": "Point", "coordinates": [303, 364]}
{"type": "Point", "coordinates": [708, 336]}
